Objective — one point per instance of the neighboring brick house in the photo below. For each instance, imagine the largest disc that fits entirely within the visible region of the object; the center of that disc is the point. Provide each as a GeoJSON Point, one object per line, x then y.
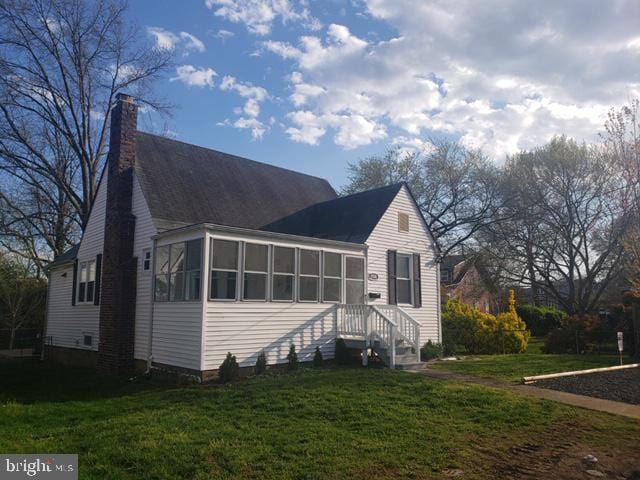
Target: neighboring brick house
{"type": "Point", "coordinates": [190, 253]}
{"type": "Point", "coordinates": [463, 278]}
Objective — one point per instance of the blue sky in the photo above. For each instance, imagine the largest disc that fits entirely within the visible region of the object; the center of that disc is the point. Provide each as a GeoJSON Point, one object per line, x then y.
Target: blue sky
{"type": "Point", "coordinates": [312, 85]}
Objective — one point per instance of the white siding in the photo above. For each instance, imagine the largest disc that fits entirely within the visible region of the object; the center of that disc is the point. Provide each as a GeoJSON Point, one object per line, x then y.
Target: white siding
{"type": "Point", "coordinates": [387, 237]}
{"type": "Point", "coordinates": [142, 240]}
{"type": "Point", "coordinates": [67, 324]}
{"type": "Point", "coordinates": [246, 328]}
{"type": "Point", "coordinates": [177, 334]}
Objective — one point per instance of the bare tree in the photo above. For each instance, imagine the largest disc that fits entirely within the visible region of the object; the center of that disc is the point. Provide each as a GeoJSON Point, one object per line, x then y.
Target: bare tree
{"type": "Point", "coordinates": [456, 188]}
{"type": "Point", "coordinates": [570, 216]}
{"type": "Point", "coordinates": [62, 62]}
{"type": "Point", "coordinates": [622, 140]}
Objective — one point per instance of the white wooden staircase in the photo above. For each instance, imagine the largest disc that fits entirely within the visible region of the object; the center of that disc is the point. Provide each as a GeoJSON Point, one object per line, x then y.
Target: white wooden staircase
{"type": "Point", "coordinates": [384, 330]}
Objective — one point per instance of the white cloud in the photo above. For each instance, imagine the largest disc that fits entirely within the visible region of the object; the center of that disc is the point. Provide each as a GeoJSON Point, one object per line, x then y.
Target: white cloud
{"type": "Point", "coordinates": [250, 112]}
{"type": "Point", "coordinates": [258, 15]}
{"type": "Point", "coordinates": [502, 74]}
{"type": "Point", "coordinates": [195, 77]}
{"type": "Point", "coordinates": [166, 40]}
{"type": "Point", "coordinates": [191, 42]}
{"type": "Point", "coordinates": [224, 34]}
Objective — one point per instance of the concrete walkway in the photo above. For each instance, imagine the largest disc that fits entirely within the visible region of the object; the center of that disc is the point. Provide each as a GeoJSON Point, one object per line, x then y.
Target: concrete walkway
{"type": "Point", "coordinates": [591, 403]}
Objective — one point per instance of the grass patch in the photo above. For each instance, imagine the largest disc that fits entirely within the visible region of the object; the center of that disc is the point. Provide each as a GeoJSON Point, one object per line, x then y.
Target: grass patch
{"type": "Point", "coordinates": [314, 423]}
{"type": "Point", "coordinates": [533, 362]}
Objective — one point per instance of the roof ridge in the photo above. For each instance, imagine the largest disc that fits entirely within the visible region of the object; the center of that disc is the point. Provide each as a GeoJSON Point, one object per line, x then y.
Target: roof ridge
{"type": "Point", "coordinates": [238, 157]}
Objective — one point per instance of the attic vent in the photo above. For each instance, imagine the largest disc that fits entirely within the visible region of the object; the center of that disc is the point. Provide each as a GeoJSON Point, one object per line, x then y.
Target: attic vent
{"type": "Point", "coordinates": [403, 222]}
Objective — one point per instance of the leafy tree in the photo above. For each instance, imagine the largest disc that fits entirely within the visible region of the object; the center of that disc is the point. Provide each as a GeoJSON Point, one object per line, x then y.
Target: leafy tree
{"type": "Point", "coordinates": [22, 298]}
{"type": "Point", "coordinates": [62, 62]}
{"type": "Point", "coordinates": [455, 187]}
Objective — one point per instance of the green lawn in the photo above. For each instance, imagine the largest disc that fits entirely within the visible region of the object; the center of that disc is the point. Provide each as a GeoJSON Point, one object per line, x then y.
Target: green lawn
{"type": "Point", "coordinates": [532, 362]}
{"type": "Point", "coordinates": [329, 423]}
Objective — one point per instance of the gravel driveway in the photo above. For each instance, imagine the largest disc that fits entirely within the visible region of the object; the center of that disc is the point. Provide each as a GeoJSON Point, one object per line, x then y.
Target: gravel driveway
{"type": "Point", "coordinates": [618, 385]}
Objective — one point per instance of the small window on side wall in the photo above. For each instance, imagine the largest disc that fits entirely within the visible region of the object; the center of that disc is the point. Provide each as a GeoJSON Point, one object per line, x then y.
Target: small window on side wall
{"type": "Point", "coordinates": [86, 281]}
{"type": "Point", "coordinates": [224, 270]}
{"type": "Point", "coordinates": [146, 260]}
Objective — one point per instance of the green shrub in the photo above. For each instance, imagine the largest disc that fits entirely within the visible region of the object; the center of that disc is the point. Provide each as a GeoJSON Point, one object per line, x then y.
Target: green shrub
{"type": "Point", "coordinates": [261, 363]}
{"type": "Point", "coordinates": [574, 335]}
{"type": "Point", "coordinates": [317, 358]}
{"type": "Point", "coordinates": [430, 350]}
{"type": "Point", "coordinates": [229, 369]}
{"type": "Point", "coordinates": [467, 328]}
{"type": "Point", "coordinates": [342, 355]}
{"type": "Point", "coordinates": [292, 358]}
{"type": "Point", "coordinates": [540, 320]}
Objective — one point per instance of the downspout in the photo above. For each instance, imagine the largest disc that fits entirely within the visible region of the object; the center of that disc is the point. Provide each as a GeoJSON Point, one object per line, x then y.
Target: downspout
{"type": "Point", "coordinates": [46, 315]}
{"type": "Point", "coordinates": [439, 287]}
{"type": "Point", "coordinates": [152, 290]}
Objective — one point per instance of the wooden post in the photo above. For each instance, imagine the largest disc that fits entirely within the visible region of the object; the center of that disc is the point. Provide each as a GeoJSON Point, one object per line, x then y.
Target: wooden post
{"type": "Point", "coordinates": [392, 348]}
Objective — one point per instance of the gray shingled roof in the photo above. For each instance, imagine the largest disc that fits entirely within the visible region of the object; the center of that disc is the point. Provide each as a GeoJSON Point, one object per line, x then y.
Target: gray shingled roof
{"type": "Point", "coordinates": [66, 257]}
{"type": "Point", "coordinates": [349, 219]}
{"type": "Point", "coordinates": [185, 184]}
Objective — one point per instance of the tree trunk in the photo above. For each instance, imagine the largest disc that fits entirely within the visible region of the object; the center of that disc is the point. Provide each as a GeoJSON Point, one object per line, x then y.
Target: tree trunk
{"type": "Point", "coordinates": [12, 338]}
{"type": "Point", "coordinates": [635, 313]}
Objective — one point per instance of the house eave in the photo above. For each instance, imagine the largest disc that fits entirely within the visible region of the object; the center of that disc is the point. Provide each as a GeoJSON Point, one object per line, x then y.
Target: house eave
{"type": "Point", "coordinates": [212, 227]}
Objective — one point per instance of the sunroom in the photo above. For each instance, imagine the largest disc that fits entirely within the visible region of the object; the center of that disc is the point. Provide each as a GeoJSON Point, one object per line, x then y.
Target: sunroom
{"type": "Point", "coordinates": [220, 289]}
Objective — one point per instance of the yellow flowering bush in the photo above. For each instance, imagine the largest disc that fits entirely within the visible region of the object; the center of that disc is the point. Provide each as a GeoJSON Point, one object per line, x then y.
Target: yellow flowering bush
{"type": "Point", "coordinates": [477, 332]}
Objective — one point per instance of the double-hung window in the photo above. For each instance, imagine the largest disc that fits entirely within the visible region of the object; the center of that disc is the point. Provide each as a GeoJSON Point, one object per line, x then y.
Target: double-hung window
{"type": "Point", "coordinates": [86, 281]}
{"type": "Point", "coordinates": [256, 262]}
{"type": "Point", "coordinates": [309, 279]}
{"type": "Point", "coordinates": [354, 280]}
{"type": "Point", "coordinates": [403, 278]}
{"type": "Point", "coordinates": [284, 271]}
{"type": "Point", "coordinates": [224, 270]}
{"type": "Point", "coordinates": [178, 271]}
{"type": "Point", "coordinates": [332, 277]}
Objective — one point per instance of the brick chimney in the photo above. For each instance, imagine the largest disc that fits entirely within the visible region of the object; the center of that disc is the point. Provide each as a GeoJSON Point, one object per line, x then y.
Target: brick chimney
{"type": "Point", "coordinates": [118, 285]}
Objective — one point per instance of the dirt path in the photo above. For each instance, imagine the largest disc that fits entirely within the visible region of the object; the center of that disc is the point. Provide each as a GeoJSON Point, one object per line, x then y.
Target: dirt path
{"type": "Point", "coordinates": [560, 453]}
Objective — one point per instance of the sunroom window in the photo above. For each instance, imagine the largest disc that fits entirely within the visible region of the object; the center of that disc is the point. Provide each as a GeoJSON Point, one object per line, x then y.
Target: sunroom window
{"type": "Point", "coordinates": [178, 271]}
{"type": "Point", "coordinates": [284, 270]}
{"type": "Point", "coordinates": [332, 277]}
{"type": "Point", "coordinates": [309, 279]}
{"type": "Point", "coordinates": [86, 281]}
{"type": "Point", "coordinates": [354, 280]}
{"type": "Point", "coordinates": [255, 271]}
{"type": "Point", "coordinates": [403, 278]}
{"type": "Point", "coordinates": [224, 270]}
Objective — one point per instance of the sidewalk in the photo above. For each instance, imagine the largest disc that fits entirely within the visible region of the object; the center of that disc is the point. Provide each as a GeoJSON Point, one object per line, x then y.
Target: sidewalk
{"type": "Point", "coordinates": [591, 403]}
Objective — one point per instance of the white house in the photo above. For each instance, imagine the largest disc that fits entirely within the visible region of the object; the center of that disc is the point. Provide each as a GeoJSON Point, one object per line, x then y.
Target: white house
{"type": "Point", "coordinates": [190, 253]}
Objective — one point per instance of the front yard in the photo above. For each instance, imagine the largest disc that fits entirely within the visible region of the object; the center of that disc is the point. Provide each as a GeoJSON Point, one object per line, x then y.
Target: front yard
{"type": "Point", "coordinates": [533, 362]}
{"type": "Point", "coordinates": [328, 423]}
